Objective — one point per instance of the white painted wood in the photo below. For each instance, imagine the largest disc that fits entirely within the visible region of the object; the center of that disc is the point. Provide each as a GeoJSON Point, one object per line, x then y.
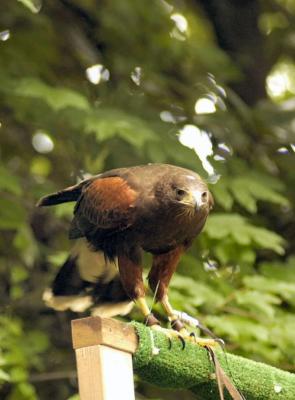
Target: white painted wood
{"type": "Point", "coordinates": [117, 374]}
{"type": "Point", "coordinates": [104, 373]}
{"type": "Point", "coordinates": [89, 373]}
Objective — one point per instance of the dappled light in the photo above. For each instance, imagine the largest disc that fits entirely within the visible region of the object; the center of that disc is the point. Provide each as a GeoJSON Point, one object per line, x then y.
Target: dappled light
{"type": "Point", "coordinates": [136, 75]}
{"type": "Point", "coordinates": [42, 142]}
{"type": "Point", "coordinates": [225, 148]}
{"type": "Point", "coordinates": [167, 116]}
{"type": "Point", "coordinates": [281, 81]}
{"type": "Point", "coordinates": [33, 5]}
{"type": "Point", "coordinates": [97, 73]}
{"type": "Point", "coordinates": [180, 22]}
{"type": "Point", "coordinates": [198, 140]}
{"type": "Point", "coordinates": [180, 30]}
{"type": "Point", "coordinates": [268, 22]}
{"type": "Point", "coordinates": [5, 35]}
{"type": "Point", "coordinates": [205, 106]}
{"type": "Point", "coordinates": [283, 150]}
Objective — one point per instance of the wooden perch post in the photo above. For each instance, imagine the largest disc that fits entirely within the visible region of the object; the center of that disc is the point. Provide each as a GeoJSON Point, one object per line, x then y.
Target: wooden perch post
{"type": "Point", "coordinates": [104, 349]}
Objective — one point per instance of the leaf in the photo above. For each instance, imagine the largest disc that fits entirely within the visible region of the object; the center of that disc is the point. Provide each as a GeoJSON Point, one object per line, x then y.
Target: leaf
{"type": "Point", "coordinates": [222, 194]}
{"type": "Point", "coordinates": [58, 258]}
{"type": "Point", "coordinates": [218, 224]}
{"type": "Point", "coordinates": [64, 210]}
{"type": "Point", "coordinates": [282, 271]}
{"type": "Point", "coordinates": [259, 351]}
{"type": "Point", "coordinates": [247, 189]}
{"type": "Point", "coordinates": [237, 328]}
{"type": "Point", "coordinates": [18, 274]}
{"type": "Point", "coordinates": [264, 192]}
{"type": "Point", "coordinates": [18, 374]}
{"type": "Point", "coordinates": [109, 123]}
{"type": "Point", "coordinates": [197, 293]}
{"type": "Point", "coordinates": [32, 5]}
{"type": "Point", "coordinates": [12, 214]}
{"type": "Point", "coordinates": [156, 152]}
{"type": "Point", "coordinates": [226, 252]}
{"type": "Point", "coordinates": [4, 376]}
{"type": "Point", "coordinates": [23, 391]}
{"type": "Point", "coordinates": [255, 301]}
{"type": "Point", "coordinates": [57, 98]}
{"type": "Point", "coordinates": [241, 235]}
{"type": "Point", "coordinates": [285, 290]}
{"type": "Point", "coordinates": [242, 232]}
{"type": "Point", "coordinates": [266, 239]}
{"type": "Point", "coordinates": [247, 255]}
{"type": "Point", "coordinates": [9, 182]}
{"type": "Point", "coordinates": [37, 341]}
{"type": "Point", "coordinates": [24, 242]}
{"type": "Point", "coordinates": [243, 195]}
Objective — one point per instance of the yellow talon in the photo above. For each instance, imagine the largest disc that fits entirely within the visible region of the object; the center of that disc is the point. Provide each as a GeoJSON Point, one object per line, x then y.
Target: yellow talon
{"type": "Point", "coordinates": [197, 340]}
{"type": "Point", "coordinates": [184, 335]}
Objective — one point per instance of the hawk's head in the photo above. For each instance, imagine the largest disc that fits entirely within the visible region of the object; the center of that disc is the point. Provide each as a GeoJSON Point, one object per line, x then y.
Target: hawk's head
{"type": "Point", "coordinates": [186, 190]}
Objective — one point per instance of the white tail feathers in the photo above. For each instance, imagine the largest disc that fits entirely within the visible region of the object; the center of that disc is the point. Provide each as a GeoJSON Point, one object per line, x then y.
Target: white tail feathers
{"type": "Point", "coordinates": [109, 310]}
{"type": "Point", "coordinates": [82, 303]}
{"type": "Point", "coordinates": [62, 303]}
{"type": "Point", "coordinates": [84, 272]}
{"type": "Point", "coordinates": [93, 265]}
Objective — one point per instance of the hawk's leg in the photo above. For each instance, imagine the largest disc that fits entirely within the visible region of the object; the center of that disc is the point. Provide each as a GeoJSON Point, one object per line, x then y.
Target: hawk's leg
{"type": "Point", "coordinates": [164, 265]}
{"type": "Point", "coordinates": [131, 278]}
{"type": "Point", "coordinates": [173, 315]}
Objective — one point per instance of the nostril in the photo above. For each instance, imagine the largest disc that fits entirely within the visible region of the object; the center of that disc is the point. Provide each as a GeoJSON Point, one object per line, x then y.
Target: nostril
{"type": "Point", "coordinates": [204, 196]}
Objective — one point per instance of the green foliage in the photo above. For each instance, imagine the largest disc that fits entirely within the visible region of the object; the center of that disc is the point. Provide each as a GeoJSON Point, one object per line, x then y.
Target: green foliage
{"type": "Point", "coordinates": [239, 276]}
{"type": "Point", "coordinates": [75, 397]}
{"type": "Point", "coordinates": [247, 189]}
{"type": "Point", "coordinates": [21, 350]}
{"type": "Point", "coordinates": [109, 123]}
{"type": "Point", "coordinates": [234, 238]}
{"type": "Point", "coordinates": [56, 98]}
{"type": "Point", "coordinates": [32, 5]}
{"type": "Point", "coordinates": [9, 182]}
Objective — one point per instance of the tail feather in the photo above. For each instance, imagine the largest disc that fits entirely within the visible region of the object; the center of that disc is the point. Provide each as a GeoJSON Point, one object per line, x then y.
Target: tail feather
{"type": "Point", "coordinates": [75, 303]}
{"type": "Point", "coordinates": [71, 193]}
{"type": "Point", "coordinates": [88, 281]}
{"type": "Point", "coordinates": [109, 310]}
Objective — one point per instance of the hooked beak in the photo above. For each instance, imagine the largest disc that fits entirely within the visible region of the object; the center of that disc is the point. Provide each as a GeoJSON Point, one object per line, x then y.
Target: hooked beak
{"type": "Point", "coordinates": [200, 199]}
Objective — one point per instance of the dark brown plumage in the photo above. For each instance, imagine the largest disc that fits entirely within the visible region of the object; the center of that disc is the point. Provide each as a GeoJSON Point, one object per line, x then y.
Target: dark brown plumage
{"type": "Point", "coordinates": [157, 208]}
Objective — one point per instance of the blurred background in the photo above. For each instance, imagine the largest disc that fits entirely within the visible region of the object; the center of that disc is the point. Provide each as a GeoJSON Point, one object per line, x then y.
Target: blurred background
{"type": "Point", "coordinates": [89, 85]}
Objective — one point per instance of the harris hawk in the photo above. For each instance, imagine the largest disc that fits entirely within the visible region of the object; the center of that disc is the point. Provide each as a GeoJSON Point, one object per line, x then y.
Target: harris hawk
{"type": "Point", "coordinates": [157, 208]}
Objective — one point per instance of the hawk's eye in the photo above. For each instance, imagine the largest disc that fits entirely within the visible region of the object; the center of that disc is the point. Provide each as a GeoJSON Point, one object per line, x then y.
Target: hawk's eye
{"type": "Point", "coordinates": [180, 193]}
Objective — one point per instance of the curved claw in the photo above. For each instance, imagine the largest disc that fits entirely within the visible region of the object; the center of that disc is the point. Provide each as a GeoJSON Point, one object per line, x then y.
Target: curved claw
{"type": "Point", "coordinates": [210, 333]}
{"type": "Point", "coordinates": [182, 341]}
{"type": "Point", "coordinates": [170, 334]}
{"type": "Point", "coordinates": [193, 335]}
{"type": "Point", "coordinates": [193, 322]}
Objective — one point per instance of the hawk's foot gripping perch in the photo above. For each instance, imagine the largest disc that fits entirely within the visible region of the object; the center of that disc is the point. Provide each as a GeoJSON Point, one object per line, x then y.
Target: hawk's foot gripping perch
{"type": "Point", "coordinates": [170, 334]}
{"type": "Point", "coordinates": [184, 336]}
{"type": "Point", "coordinates": [178, 321]}
{"type": "Point", "coordinates": [195, 323]}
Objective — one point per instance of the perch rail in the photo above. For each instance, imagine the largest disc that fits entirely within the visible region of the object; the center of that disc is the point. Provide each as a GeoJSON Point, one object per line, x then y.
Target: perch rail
{"type": "Point", "coordinates": [109, 351]}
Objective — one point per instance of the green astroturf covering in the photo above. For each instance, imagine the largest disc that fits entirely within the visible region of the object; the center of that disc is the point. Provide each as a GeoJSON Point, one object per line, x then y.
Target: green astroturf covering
{"type": "Point", "coordinates": [192, 369]}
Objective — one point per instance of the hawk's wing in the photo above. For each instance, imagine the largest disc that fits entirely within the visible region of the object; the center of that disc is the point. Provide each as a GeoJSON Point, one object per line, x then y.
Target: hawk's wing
{"type": "Point", "coordinates": [105, 203]}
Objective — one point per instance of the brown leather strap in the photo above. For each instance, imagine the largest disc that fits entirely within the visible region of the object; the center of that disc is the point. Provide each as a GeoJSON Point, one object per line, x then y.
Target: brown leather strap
{"type": "Point", "coordinates": [177, 325]}
{"type": "Point", "coordinates": [222, 379]}
{"type": "Point", "coordinates": [151, 320]}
